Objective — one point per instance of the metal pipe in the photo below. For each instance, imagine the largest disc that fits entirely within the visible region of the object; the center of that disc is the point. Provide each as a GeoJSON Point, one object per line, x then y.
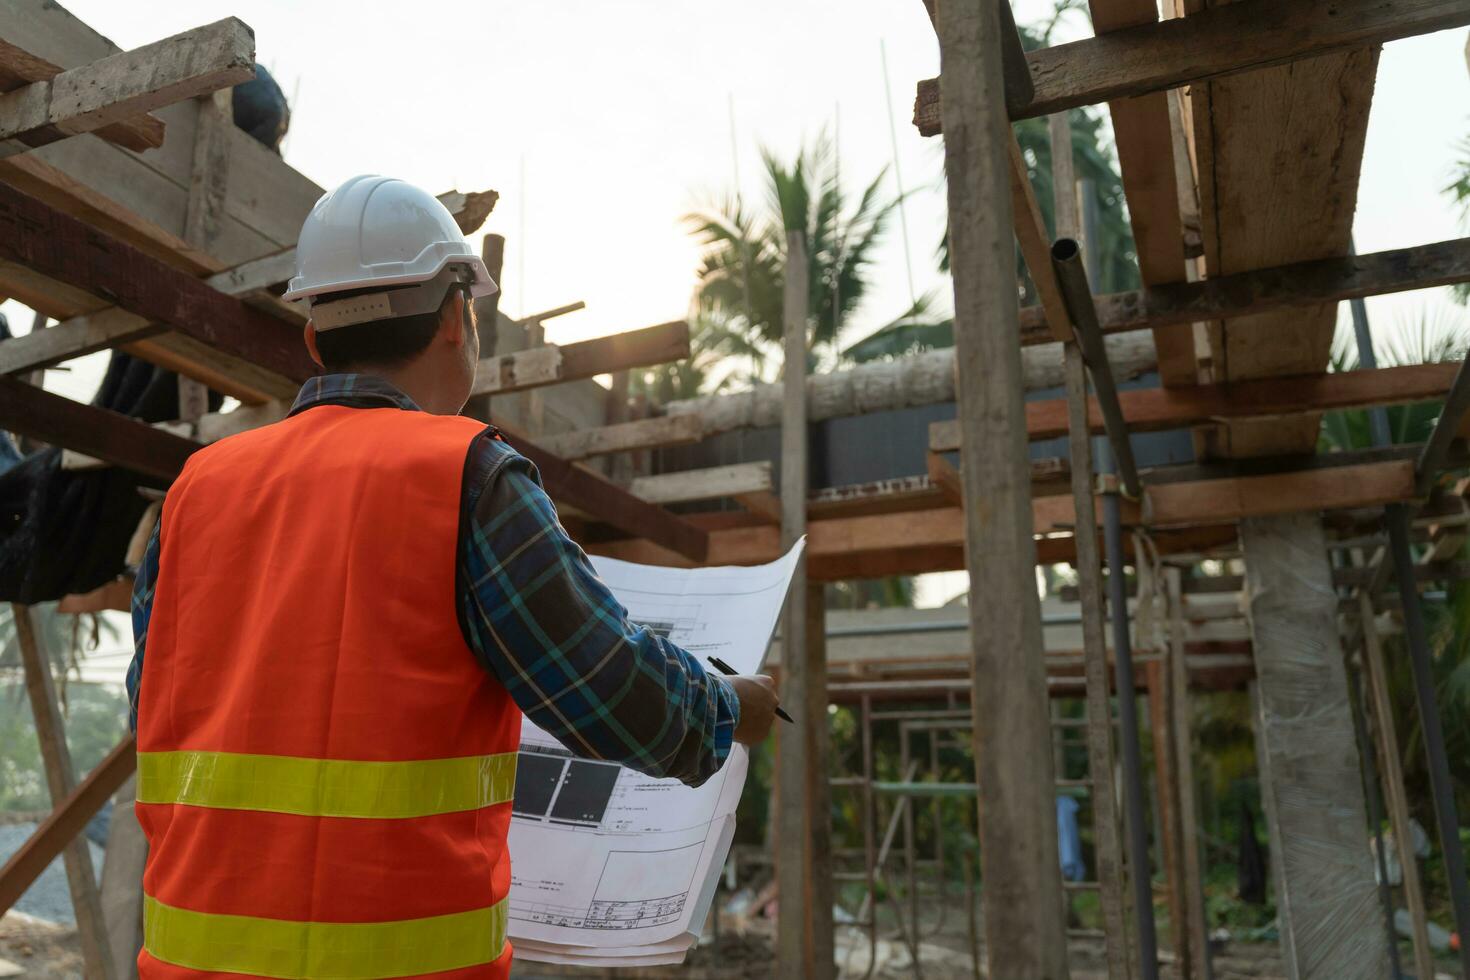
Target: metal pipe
{"type": "Point", "coordinates": [1066, 259]}
{"type": "Point", "coordinates": [1019, 89]}
{"type": "Point", "coordinates": [1441, 785]}
{"type": "Point", "coordinates": [1134, 814]}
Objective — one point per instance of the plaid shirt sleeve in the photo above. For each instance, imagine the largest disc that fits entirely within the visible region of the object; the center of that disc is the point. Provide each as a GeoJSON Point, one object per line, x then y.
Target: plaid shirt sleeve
{"type": "Point", "coordinates": [539, 619]}
{"type": "Point", "coordinates": [142, 605]}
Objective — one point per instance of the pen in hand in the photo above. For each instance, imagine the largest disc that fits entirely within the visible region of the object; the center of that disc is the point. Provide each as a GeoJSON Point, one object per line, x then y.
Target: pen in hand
{"type": "Point", "coordinates": [725, 668]}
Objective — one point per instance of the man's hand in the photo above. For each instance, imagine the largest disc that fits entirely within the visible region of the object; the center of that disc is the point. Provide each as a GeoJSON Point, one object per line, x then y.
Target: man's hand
{"type": "Point", "coordinates": [757, 694]}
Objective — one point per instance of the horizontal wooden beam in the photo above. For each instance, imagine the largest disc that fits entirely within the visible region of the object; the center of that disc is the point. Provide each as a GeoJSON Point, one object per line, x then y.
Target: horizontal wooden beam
{"type": "Point", "coordinates": [555, 364]}
{"type": "Point", "coordinates": [111, 326]}
{"type": "Point", "coordinates": [97, 432]}
{"type": "Point", "coordinates": [1161, 409]}
{"type": "Point", "coordinates": [120, 86]}
{"type": "Point", "coordinates": [1301, 284]}
{"type": "Point", "coordinates": [1228, 500]}
{"type": "Point", "coordinates": [19, 68]}
{"type": "Point", "coordinates": [707, 484]}
{"type": "Point", "coordinates": [1216, 41]}
{"type": "Point", "coordinates": [61, 247]}
{"type": "Point", "coordinates": [933, 539]}
{"type": "Point", "coordinates": [65, 822]}
{"type": "Point", "coordinates": [579, 487]}
{"type": "Point", "coordinates": [652, 433]}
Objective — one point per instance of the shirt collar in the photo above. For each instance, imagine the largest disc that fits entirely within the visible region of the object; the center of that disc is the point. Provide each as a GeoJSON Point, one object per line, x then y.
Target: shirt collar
{"type": "Point", "coordinates": [355, 390]}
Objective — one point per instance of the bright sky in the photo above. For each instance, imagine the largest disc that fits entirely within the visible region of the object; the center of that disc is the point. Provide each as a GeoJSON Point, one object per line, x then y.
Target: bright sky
{"type": "Point", "coordinates": [602, 124]}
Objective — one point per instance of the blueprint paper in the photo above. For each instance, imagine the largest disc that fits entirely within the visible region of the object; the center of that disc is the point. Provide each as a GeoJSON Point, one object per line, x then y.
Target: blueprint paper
{"type": "Point", "coordinates": [611, 867]}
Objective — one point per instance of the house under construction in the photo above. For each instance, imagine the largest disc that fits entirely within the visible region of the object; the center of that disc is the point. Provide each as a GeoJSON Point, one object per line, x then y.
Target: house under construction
{"type": "Point", "coordinates": [1163, 443]}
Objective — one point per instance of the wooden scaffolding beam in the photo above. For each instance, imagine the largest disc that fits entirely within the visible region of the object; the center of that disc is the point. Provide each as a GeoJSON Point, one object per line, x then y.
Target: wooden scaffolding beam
{"type": "Point", "coordinates": [115, 89]}
{"type": "Point", "coordinates": [1225, 40]}
{"type": "Point", "coordinates": [1017, 821]}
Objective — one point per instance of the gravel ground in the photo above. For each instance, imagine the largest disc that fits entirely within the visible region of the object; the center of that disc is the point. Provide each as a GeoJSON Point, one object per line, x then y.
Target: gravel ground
{"type": "Point", "coordinates": [49, 898]}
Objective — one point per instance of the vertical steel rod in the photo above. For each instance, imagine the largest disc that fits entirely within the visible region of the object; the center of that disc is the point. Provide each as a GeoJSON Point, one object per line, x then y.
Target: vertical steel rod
{"type": "Point", "coordinates": [1441, 785]}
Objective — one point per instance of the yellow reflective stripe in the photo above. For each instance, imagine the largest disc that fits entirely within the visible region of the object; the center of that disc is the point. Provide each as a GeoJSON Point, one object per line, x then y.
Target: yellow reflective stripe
{"type": "Point", "coordinates": [326, 787]}
{"type": "Point", "coordinates": [341, 950]}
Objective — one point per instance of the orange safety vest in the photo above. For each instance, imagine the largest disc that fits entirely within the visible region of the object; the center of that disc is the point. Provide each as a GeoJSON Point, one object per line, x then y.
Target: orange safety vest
{"type": "Point", "coordinates": [324, 769]}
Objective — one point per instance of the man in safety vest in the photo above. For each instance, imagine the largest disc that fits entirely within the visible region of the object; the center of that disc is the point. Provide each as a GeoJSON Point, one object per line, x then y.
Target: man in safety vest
{"type": "Point", "coordinates": [344, 615]}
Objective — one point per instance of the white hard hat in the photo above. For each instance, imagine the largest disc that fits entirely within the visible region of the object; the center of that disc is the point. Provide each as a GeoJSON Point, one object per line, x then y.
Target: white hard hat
{"type": "Point", "coordinates": [378, 231]}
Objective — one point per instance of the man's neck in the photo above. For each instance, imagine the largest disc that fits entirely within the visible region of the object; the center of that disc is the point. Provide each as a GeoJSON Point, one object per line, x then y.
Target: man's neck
{"type": "Point", "coordinates": [414, 381]}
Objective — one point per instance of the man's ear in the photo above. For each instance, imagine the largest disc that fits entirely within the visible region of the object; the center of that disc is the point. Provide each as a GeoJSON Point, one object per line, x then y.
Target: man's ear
{"type": "Point", "coordinates": [452, 321]}
{"type": "Point", "coordinates": [309, 335]}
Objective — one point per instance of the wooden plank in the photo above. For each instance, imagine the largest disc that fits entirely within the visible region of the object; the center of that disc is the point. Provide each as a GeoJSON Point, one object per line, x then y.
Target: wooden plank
{"type": "Point", "coordinates": [706, 484]}
{"type": "Point", "coordinates": [1161, 409]}
{"type": "Point", "coordinates": [1195, 965]}
{"type": "Point", "coordinates": [1280, 151]}
{"type": "Point", "coordinates": [1166, 788]}
{"type": "Point", "coordinates": [57, 245]}
{"type": "Point", "coordinates": [1297, 285]}
{"type": "Point", "coordinates": [1228, 500]}
{"type": "Point", "coordinates": [664, 430]}
{"type": "Point", "coordinates": [1036, 245]}
{"type": "Point", "coordinates": [804, 927]}
{"type": "Point", "coordinates": [109, 436]}
{"type": "Point", "coordinates": [66, 821]}
{"type": "Point", "coordinates": [577, 486]}
{"type": "Point", "coordinates": [1024, 930]}
{"type": "Point", "coordinates": [1107, 839]}
{"type": "Point", "coordinates": [122, 882]}
{"type": "Point", "coordinates": [205, 213]}
{"type": "Point", "coordinates": [120, 86]}
{"type": "Point", "coordinates": [1391, 777]}
{"type": "Point", "coordinates": [1312, 785]}
{"type": "Point", "coordinates": [1223, 40]}
{"type": "Point", "coordinates": [98, 326]}
{"type": "Point", "coordinates": [61, 779]}
{"type": "Point", "coordinates": [553, 364]}
{"type": "Point", "coordinates": [19, 67]}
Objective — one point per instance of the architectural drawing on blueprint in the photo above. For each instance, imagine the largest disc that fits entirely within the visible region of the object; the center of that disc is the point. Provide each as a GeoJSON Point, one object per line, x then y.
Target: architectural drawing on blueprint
{"type": "Point", "coordinates": [608, 863]}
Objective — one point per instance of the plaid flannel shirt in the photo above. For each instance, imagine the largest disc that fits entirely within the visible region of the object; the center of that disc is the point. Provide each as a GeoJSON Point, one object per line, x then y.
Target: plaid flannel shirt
{"type": "Point", "coordinates": [537, 617]}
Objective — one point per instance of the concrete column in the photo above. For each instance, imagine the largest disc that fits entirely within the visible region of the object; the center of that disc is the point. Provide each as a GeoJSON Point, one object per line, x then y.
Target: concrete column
{"type": "Point", "coordinates": [1309, 763]}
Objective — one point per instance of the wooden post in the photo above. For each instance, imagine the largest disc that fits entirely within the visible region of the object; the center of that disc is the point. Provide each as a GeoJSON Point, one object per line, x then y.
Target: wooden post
{"type": "Point", "coordinates": [61, 780]}
{"type": "Point", "coordinates": [1024, 931]}
{"type": "Point", "coordinates": [1107, 844]}
{"type": "Point", "coordinates": [487, 317]}
{"type": "Point", "coordinates": [804, 929]}
{"type": "Point", "coordinates": [1315, 811]}
{"type": "Point", "coordinates": [620, 467]}
{"type": "Point", "coordinates": [122, 882]}
{"type": "Point", "coordinates": [1391, 774]}
{"type": "Point", "coordinates": [1167, 796]}
{"type": "Point", "coordinates": [1198, 965]}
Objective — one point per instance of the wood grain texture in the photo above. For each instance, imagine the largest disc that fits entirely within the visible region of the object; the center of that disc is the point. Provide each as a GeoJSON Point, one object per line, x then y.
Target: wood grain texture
{"type": "Point", "coordinates": [97, 432]}
{"type": "Point", "coordinates": [1235, 498]}
{"type": "Point", "coordinates": [119, 86]}
{"type": "Point", "coordinates": [57, 245]}
{"type": "Point", "coordinates": [1297, 285]}
{"type": "Point", "coordinates": [1161, 409]}
{"type": "Point", "coordinates": [1024, 930]}
{"type": "Point", "coordinates": [19, 68]}
{"type": "Point", "coordinates": [1223, 40]}
{"type": "Point", "coordinates": [1280, 152]}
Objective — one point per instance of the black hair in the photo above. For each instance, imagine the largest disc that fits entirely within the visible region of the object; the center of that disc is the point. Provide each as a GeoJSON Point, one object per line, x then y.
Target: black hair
{"type": "Point", "coordinates": [381, 343]}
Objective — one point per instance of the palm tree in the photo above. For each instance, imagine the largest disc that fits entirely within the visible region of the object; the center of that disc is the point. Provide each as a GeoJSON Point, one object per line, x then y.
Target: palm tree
{"type": "Point", "coordinates": [743, 274]}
